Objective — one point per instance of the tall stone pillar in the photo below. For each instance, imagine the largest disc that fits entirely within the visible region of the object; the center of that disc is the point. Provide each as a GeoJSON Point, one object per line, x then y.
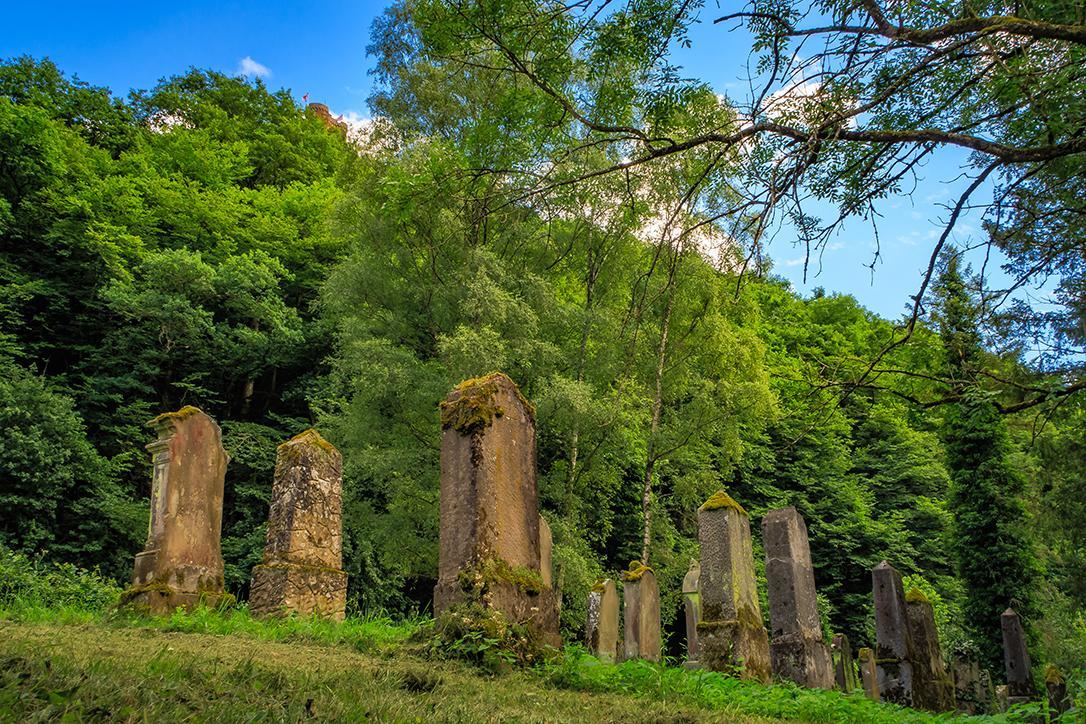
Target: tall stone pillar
{"type": "Point", "coordinates": [1016, 659]}
{"type": "Point", "coordinates": [641, 614]}
{"type": "Point", "coordinates": [489, 549]}
{"type": "Point", "coordinates": [602, 626]}
{"type": "Point", "coordinates": [893, 643]}
{"type": "Point", "coordinates": [932, 688]}
{"type": "Point", "coordinates": [796, 649]}
{"type": "Point", "coordinates": [303, 553]}
{"type": "Point", "coordinates": [731, 635]}
{"type": "Point", "coordinates": [181, 563]}
{"type": "Point", "coordinates": [692, 606]}
{"type": "Point", "coordinates": [844, 667]}
{"type": "Point", "coordinates": [869, 674]}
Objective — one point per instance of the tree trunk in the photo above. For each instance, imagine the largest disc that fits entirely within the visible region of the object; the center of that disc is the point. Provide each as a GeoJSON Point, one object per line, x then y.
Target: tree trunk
{"type": "Point", "coordinates": [657, 409]}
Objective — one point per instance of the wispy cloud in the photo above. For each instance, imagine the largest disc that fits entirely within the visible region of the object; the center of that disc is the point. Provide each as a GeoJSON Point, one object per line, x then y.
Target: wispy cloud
{"type": "Point", "coordinates": [249, 67]}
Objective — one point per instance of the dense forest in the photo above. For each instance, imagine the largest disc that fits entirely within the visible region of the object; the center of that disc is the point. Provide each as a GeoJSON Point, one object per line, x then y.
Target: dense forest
{"type": "Point", "coordinates": [209, 242]}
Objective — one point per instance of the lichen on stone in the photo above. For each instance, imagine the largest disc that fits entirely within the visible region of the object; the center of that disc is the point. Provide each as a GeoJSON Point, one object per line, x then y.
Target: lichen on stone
{"type": "Point", "coordinates": [186, 411]}
{"type": "Point", "coordinates": [636, 570]}
{"type": "Point", "coordinates": [915, 595]}
{"type": "Point", "coordinates": [599, 586]}
{"type": "Point", "coordinates": [1053, 676]}
{"type": "Point", "coordinates": [472, 406]}
{"type": "Point", "coordinates": [721, 499]}
{"type": "Point", "coordinates": [293, 446]}
{"type": "Point", "coordinates": [492, 570]}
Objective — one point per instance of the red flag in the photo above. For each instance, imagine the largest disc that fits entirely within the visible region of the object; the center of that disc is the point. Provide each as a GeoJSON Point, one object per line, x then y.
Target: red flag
{"type": "Point", "coordinates": [305, 98]}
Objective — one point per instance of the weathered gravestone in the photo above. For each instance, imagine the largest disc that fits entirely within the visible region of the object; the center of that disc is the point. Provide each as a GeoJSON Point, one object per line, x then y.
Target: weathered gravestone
{"type": "Point", "coordinates": [1016, 659]}
{"type": "Point", "coordinates": [303, 555]}
{"type": "Point", "coordinates": [731, 635]}
{"type": "Point", "coordinates": [969, 690]}
{"type": "Point", "coordinates": [932, 688]}
{"type": "Point", "coordinates": [640, 613]}
{"type": "Point", "coordinates": [181, 563]}
{"type": "Point", "coordinates": [1056, 687]}
{"type": "Point", "coordinates": [796, 649]}
{"type": "Point", "coordinates": [489, 542]}
{"type": "Point", "coordinates": [692, 605]}
{"type": "Point", "coordinates": [844, 667]}
{"type": "Point", "coordinates": [869, 675]}
{"type": "Point", "coordinates": [893, 642]}
{"type": "Point", "coordinates": [602, 626]}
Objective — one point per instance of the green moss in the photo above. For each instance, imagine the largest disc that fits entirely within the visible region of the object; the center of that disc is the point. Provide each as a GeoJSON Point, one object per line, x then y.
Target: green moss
{"type": "Point", "coordinates": [494, 570]}
{"type": "Point", "coordinates": [186, 411]}
{"type": "Point", "coordinates": [599, 586]}
{"type": "Point", "coordinates": [636, 570]}
{"type": "Point", "coordinates": [472, 405]}
{"type": "Point", "coordinates": [293, 447]}
{"type": "Point", "coordinates": [915, 595]}
{"type": "Point", "coordinates": [719, 500]}
{"type": "Point", "coordinates": [1053, 676]}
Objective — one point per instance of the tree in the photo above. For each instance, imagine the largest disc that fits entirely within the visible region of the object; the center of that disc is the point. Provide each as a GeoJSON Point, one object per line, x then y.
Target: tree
{"type": "Point", "coordinates": [990, 542]}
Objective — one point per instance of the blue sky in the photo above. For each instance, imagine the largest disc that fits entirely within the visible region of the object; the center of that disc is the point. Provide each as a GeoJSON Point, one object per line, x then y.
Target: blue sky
{"type": "Point", "coordinates": [319, 48]}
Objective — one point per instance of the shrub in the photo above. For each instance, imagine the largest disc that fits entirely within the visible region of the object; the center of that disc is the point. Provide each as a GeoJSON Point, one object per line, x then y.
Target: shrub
{"type": "Point", "coordinates": [484, 638]}
{"type": "Point", "coordinates": [28, 584]}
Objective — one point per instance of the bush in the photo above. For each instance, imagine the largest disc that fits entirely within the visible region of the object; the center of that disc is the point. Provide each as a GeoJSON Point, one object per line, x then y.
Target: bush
{"type": "Point", "coordinates": [484, 638]}
{"type": "Point", "coordinates": [33, 584]}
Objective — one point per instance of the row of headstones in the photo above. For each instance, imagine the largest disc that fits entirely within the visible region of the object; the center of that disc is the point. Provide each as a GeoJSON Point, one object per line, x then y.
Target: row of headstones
{"type": "Point", "coordinates": [725, 631]}
{"type": "Point", "coordinates": [181, 564]}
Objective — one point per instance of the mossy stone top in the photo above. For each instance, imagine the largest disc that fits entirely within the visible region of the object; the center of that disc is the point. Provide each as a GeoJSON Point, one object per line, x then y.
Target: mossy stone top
{"type": "Point", "coordinates": [719, 500]}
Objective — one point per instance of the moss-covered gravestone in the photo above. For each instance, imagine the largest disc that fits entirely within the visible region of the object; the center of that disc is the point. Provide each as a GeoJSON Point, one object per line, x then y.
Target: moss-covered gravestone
{"type": "Point", "coordinates": [601, 629]}
{"type": "Point", "coordinates": [692, 605]}
{"type": "Point", "coordinates": [640, 613]}
{"type": "Point", "coordinates": [796, 649]}
{"type": "Point", "coordinates": [844, 666]}
{"type": "Point", "coordinates": [1016, 659]}
{"type": "Point", "coordinates": [1056, 687]}
{"type": "Point", "coordinates": [868, 673]}
{"type": "Point", "coordinates": [489, 551]}
{"type": "Point", "coordinates": [970, 694]}
{"type": "Point", "coordinates": [303, 555]}
{"type": "Point", "coordinates": [731, 635]}
{"type": "Point", "coordinates": [181, 563]}
{"type": "Point", "coordinates": [893, 642]}
{"type": "Point", "coordinates": [932, 687]}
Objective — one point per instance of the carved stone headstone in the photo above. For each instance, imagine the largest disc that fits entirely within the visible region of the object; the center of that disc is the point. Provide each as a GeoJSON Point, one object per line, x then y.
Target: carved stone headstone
{"type": "Point", "coordinates": [692, 605]}
{"type": "Point", "coordinates": [1056, 687]}
{"type": "Point", "coordinates": [1016, 659]}
{"type": "Point", "coordinates": [731, 635]}
{"type": "Point", "coordinates": [868, 673]}
{"type": "Point", "coordinates": [181, 562]}
{"type": "Point", "coordinates": [796, 649]}
{"type": "Point", "coordinates": [893, 643]}
{"type": "Point", "coordinates": [602, 626]}
{"type": "Point", "coordinates": [641, 614]}
{"type": "Point", "coordinates": [303, 555]}
{"type": "Point", "coordinates": [844, 667]}
{"type": "Point", "coordinates": [489, 549]}
{"type": "Point", "coordinates": [932, 687]}
{"type": "Point", "coordinates": [969, 690]}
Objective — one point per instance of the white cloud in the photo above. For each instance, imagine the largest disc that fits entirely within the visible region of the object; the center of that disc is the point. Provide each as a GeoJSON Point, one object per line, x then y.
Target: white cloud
{"type": "Point", "coordinates": [249, 67]}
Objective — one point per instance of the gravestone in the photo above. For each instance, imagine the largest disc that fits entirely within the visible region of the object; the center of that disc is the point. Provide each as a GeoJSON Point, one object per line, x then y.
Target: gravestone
{"type": "Point", "coordinates": [868, 673]}
{"type": "Point", "coordinates": [1016, 659]}
{"type": "Point", "coordinates": [303, 556]}
{"type": "Point", "coordinates": [844, 667]}
{"type": "Point", "coordinates": [181, 562]}
{"type": "Point", "coordinates": [546, 553]}
{"type": "Point", "coordinates": [731, 635]}
{"type": "Point", "coordinates": [796, 649]}
{"type": "Point", "coordinates": [932, 688]}
{"type": "Point", "coordinates": [602, 627]}
{"type": "Point", "coordinates": [893, 643]}
{"type": "Point", "coordinates": [692, 604]}
{"type": "Point", "coordinates": [1056, 688]}
{"type": "Point", "coordinates": [640, 613]}
{"type": "Point", "coordinates": [489, 540]}
{"type": "Point", "coordinates": [969, 689]}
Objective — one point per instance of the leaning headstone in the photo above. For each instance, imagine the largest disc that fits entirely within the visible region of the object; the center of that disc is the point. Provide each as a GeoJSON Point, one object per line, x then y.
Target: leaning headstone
{"type": "Point", "coordinates": [546, 553]}
{"type": "Point", "coordinates": [844, 667]}
{"type": "Point", "coordinates": [796, 649]}
{"type": "Point", "coordinates": [181, 563]}
{"type": "Point", "coordinates": [489, 540]}
{"type": "Point", "coordinates": [1016, 659]}
{"type": "Point", "coordinates": [868, 673]}
{"type": "Point", "coordinates": [893, 644]}
{"type": "Point", "coordinates": [602, 627]}
{"type": "Point", "coordinates": [303, 556]}
{"type": "Point", "coordinates": [969, 690]}
{"type": "Point", "coordinates": [932, 688]}
{"type": "Point", "coordinates": [731, 635]}
{"type": "Point", "coordinates": [1056, 687]}
{"type": "Point", "coordinates": [692, 601]}
{"type": "Point", "coordinates": [641, 613]}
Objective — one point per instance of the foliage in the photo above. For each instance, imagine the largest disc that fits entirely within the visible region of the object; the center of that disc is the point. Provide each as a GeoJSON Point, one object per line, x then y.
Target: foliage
{"type": "Point", "coordinates": [484, 637]}
{"type": "Point", "coordinates": [31, 587]}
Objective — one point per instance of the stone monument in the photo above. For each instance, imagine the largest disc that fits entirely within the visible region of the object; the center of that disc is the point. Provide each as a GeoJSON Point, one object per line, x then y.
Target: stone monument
{"type": "Point", "coordinates": [932, 688]}
{"type": "Point", "coordinates": [303, 555]}
{"type": "Point", "coordinates": [692, 606]}
{"type": "Point", "coordinates": [602, 626]}
{"type": "Point", "coordinates": [1016, 659]}
{"type": "Point", "coordinates": [844, 667]}
{"type": "Point", "coordinates": [869, 675]}
{"type": "Point", "coordinates": [640, 613]}
{"type": "Point", "coordinates": [893, 643]}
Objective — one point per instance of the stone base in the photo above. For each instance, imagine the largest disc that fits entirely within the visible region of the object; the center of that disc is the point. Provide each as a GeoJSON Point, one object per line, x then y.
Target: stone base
{"type": "Point", "coordinates": [537, 611]}
{"type": "Point", "coordinates": [805, 661]}
{"type": "Point", "coordinates": [161, 600]}
{"type": "Point", "coordinates": [732, 646]}
{"type": "Point", "coordinates": [895, 679]}
{"type": "Point", "coordinates": [281, 588]}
